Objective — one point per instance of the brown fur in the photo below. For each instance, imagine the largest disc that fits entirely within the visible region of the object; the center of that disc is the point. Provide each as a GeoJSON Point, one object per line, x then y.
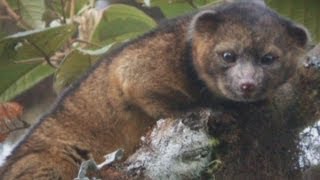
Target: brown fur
{"type": "Point", "coordinates": [161, 74]}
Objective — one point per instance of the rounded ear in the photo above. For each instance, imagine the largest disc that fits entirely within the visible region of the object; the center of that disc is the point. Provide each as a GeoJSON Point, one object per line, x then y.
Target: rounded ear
{"type": "Point", "coordinates": [204, 21]}
{"type": "Point", "coordinates": [300, 34]}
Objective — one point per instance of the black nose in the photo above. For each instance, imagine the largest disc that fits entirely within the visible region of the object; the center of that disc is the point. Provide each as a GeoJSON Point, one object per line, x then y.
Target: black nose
{"type": "Point", "coordinates": [247, 87]}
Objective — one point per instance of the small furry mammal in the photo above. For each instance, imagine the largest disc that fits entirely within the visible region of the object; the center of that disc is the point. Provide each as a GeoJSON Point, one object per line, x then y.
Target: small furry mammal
{"type": "Point", "coordinates": [239, 52]}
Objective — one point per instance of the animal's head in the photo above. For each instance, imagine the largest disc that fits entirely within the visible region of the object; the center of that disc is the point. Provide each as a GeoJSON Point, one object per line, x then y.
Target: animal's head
{"type": "Point", "coordinates": [244, 51]}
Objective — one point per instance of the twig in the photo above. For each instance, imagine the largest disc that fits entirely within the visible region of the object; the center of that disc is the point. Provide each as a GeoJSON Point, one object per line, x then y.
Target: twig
{"type": "Point", "coordinates": [46, 57]}
{"type": "Point", "coordinates": [72, 8]}
{"type": "Point", "coordinates": [5, 18]}
{"type": "Point", "coordinates": [29, 61]}
{"type": "Point", "coordinates": [14, 15]}
{"type": "Point", "coordinates": [64, 21]}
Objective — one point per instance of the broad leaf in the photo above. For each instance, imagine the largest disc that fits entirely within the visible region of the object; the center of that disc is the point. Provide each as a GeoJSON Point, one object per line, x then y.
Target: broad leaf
{"type": "Point", "coordinates": [120, 23]}
{"type": "Point", "coordinates": [31, 11]}
{"type": "Point", "coordinates": [62, 8]}
{"type": "Point", "coordinates": [35, 43]}
{"type": "Point", "coordinates": [173, 8]}
{"type": "Point", "coordinates": [16, 77]}
{"type": "Point", "coordinates": [75, 64]}
{"type": "Point", "coordinates": [81, 4]}
{"type": "Point", "coordinates": [14, 82]}
{"type": "Point", "coordinates": [305, 12]}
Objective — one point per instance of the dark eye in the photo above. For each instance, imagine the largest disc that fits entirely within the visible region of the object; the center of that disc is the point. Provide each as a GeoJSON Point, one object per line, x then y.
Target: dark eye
{"type": "Point", "coordinates": [268, 59]}
{"type": "Point", "coordinates": [229, 57]}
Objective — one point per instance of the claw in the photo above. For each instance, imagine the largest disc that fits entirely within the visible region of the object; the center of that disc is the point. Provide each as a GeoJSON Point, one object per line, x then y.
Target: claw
{"type": "Point", "coordinates": [91, 165]}
{"type": "Point", "coordinates": [112, 157]}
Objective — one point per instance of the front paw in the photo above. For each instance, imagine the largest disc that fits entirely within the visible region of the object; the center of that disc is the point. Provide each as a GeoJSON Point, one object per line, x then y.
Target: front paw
{"type": "Point", "coordinates": [197, 118]}
{"type": "Point", "coordinates": [224, 126]}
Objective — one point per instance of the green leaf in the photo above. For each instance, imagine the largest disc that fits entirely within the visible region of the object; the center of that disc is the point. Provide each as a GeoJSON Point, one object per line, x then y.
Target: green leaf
{"type": "Point", "coordinates": [173, 8]}
{"type": "Point", "coordinates": [53, 11]}
{"type": "Point", "coordinates": [120, 23]}
{"type": "Point", "coordinates": [75, 64]}
{"type": "Point", "coordinates": [200, 3]}
{"type": "Point", "coordinates": [3, 33]}
{"type": "Point", "coordinates": [305, 12]}
{"type": "Point", "coordinates": [15, 82]}
{"type": "Point", "coordinates": [31, 12]}
{"type": "Point", "coordinates": [70, 69]}
{"type": "Point", "coordinates": [26, 45]}
{"type": "Point", "coordinates": [16, 77]}
{"type": "Point", "coordinates": [14, 4]}
{"type": "Point", "coordinates": [81, 4]}
{"type": "Point", "coordinates": [58, 8]}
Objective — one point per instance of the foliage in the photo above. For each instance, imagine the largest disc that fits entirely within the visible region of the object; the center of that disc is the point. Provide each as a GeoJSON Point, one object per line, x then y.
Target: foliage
{"type": "Point", "coordinates": [173, 8]}
{"type": "Point", "coordinates": [305, 12]}
{"type": "Point", "coordinates": [49, 43]}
